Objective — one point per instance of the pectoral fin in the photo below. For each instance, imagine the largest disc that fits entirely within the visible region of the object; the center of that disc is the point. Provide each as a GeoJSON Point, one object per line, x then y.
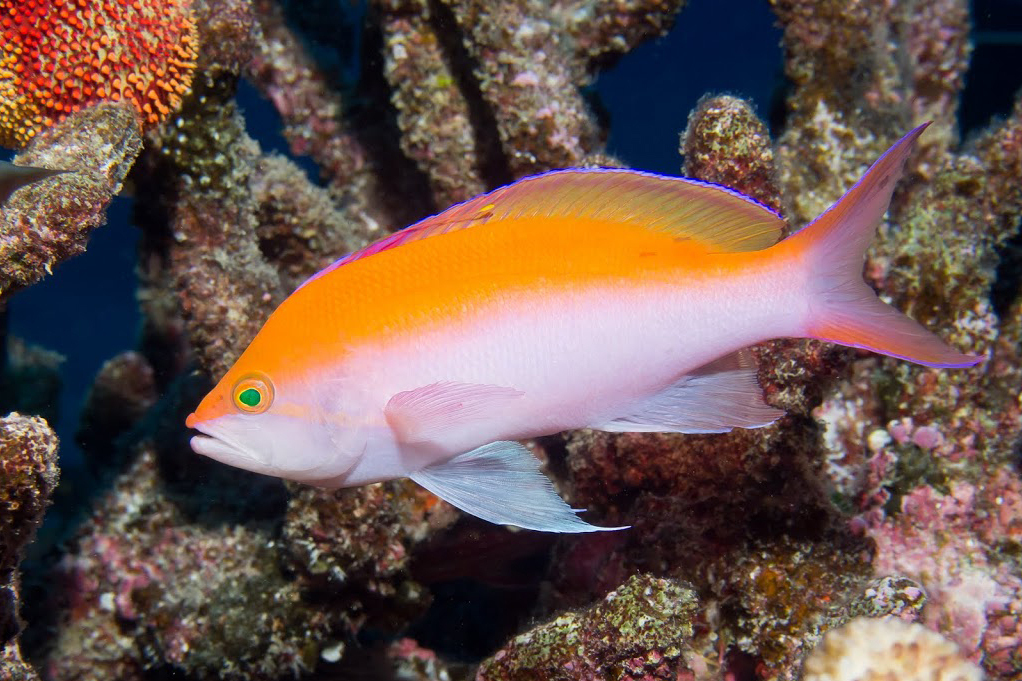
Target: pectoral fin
{"type": "Point", "coordinates": [501, 482]}
{"type": "Point", "coordinates": [715, 398]}
{"type": "Point", "coordinates": [420, 415]}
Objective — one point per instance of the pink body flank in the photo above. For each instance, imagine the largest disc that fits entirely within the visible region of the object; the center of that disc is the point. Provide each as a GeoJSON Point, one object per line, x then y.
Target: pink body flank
{"type": "Point", "coordinates": [607, 299]}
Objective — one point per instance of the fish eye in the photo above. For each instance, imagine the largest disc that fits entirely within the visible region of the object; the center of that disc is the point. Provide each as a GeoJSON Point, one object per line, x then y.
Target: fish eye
{"type": "Point", "coordinates": [253, 394]}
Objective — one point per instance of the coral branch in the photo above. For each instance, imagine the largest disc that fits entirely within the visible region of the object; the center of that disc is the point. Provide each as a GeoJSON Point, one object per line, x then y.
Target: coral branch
{"type": "Point", "coordinates": [726, 143]}
{"type": "Point", "coordinates": [50, 221]}
{"type": "Point", "coordinates": [311, 108]}
{"type": "Point", "coordinates": [28, 476]}
{"type": "Point", "coordinates": [433, 114]}
{"type": "Point", "coordinates": [546, 51]}
{"type": "Point", "coordinates": [28, 462]}
{"type": "Point", "coordinates": [862, 73]}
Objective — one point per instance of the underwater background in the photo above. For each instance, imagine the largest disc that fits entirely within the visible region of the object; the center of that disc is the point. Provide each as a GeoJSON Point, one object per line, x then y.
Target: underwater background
{"type": "Point", "coordinates": [293, 133]}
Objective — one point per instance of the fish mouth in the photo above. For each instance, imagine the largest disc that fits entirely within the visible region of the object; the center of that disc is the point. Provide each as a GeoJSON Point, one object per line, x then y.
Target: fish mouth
{"type": "Point", "coordinates": [217, 443]}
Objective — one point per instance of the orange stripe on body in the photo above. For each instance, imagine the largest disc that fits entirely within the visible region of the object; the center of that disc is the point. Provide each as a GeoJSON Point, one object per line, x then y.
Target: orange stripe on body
{"type": "Point", "coordinates": [442, 279]}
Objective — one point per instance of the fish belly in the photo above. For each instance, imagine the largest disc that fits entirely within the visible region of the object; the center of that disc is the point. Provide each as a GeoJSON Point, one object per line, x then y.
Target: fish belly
{"type": "Point", "coordinates": [578, 357]}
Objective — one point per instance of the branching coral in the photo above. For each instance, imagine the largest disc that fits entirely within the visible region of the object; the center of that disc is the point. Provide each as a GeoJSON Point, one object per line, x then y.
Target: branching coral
{"type": "Point", "coordinates": [312, 111]}
{"type": "Point", "coordinates": [28, 464]}
{"type": "Point", "coordinates": [726, 143]}
{"type": "Point", "coordinates": [437, 119]}
{"type": "Point", "coordinates": [232, 231]}
{"type": "Point", "coordinates": [935, 258]}
{"type": "Point", "coordinates": [50, 221]}
{"type": "Point", "coordinates": [28, 476]}
{"type": "Point", "coordinates": [249, 228]}
{"type": "Point", "coordinates": [861, 73]}
{"type": "Point", "coordinates": [546, 51]}
{"type": "Point", "coordinates": [124, 389]}
{"type": "Point", "coordinates": [885, 490]}
{"type": "Point", "coordinates": [30, 381]}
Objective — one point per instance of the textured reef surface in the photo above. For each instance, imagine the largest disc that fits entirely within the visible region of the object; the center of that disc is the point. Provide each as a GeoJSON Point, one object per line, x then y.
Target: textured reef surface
{"type": "Point", "coordinates": [875, 531]}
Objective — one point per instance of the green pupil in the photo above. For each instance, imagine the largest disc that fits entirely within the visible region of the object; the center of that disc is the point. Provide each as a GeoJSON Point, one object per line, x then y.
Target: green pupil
{"type": "Point", "coordinates": [250, 397]}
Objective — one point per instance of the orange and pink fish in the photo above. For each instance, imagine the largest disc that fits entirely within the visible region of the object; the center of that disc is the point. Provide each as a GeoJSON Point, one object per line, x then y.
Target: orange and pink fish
{"type": "Point", "coordinates": [610, 299]}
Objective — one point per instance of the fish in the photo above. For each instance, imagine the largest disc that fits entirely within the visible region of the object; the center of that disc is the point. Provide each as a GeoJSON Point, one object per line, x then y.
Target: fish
{"type": "Point", "coordinates": [616, 300]}
{"type": "Point", "coordinates": [13, 178]}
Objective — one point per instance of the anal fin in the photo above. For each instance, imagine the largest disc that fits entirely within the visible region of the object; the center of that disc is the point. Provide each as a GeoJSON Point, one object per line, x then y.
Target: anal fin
{"type": "Point", "coordinates": [714, 398]}
{"type": "Point", "coordinates": [501, 482]}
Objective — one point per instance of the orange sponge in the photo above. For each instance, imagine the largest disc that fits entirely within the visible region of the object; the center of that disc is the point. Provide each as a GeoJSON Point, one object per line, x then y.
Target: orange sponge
{"type": "Point", "coordinates": [59, 56]}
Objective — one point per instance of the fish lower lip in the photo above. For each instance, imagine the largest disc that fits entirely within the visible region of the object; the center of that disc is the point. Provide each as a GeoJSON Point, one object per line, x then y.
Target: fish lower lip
{"type": "Point", "coordinates": [224, 449]}
{"type": "Point", "coordinates": [208, 446]}
{"type": "Point", "coordinates": [218, 449]}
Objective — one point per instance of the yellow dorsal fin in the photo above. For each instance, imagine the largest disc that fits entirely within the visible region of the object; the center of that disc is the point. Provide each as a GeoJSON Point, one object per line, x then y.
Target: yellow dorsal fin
{"type": "Point", "coordinates": [721, 218]}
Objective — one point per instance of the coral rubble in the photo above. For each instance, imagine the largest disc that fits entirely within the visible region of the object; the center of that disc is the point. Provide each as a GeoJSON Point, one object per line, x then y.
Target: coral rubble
{"type": "Point", "coordinates": [638, 631]}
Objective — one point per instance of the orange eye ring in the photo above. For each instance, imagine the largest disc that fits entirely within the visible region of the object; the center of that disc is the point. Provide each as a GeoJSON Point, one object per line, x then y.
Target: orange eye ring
{"type": "Point", "coordinates": [253, 393]}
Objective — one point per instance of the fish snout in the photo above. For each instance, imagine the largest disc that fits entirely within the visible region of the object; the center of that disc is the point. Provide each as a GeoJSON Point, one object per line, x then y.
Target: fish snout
{"type": "Point", "coordinates": [213, 406]}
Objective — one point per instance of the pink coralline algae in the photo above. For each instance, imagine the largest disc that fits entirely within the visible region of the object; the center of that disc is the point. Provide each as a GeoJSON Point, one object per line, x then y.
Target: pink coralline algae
{"type": "Point", "coordinates": [142, 571]}
{"type": "Point", "coordinates": [959, 545]}
{"type": "Point", "coordinates": [886, 490]}
{"type": "Point", "coordinates": [149, 587]}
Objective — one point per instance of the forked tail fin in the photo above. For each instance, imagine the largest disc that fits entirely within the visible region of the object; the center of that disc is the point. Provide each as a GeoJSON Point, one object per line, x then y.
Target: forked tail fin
{"type": "Point", "coordinates": [844, 308]}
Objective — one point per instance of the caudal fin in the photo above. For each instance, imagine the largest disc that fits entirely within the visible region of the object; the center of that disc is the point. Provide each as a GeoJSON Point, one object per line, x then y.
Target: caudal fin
{"type": "Point", "coordinates": [844, 308]}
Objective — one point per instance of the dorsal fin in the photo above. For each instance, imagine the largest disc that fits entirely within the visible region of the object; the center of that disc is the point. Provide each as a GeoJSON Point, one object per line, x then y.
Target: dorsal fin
{"type": "Point", "coordinates": [723, 219]}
